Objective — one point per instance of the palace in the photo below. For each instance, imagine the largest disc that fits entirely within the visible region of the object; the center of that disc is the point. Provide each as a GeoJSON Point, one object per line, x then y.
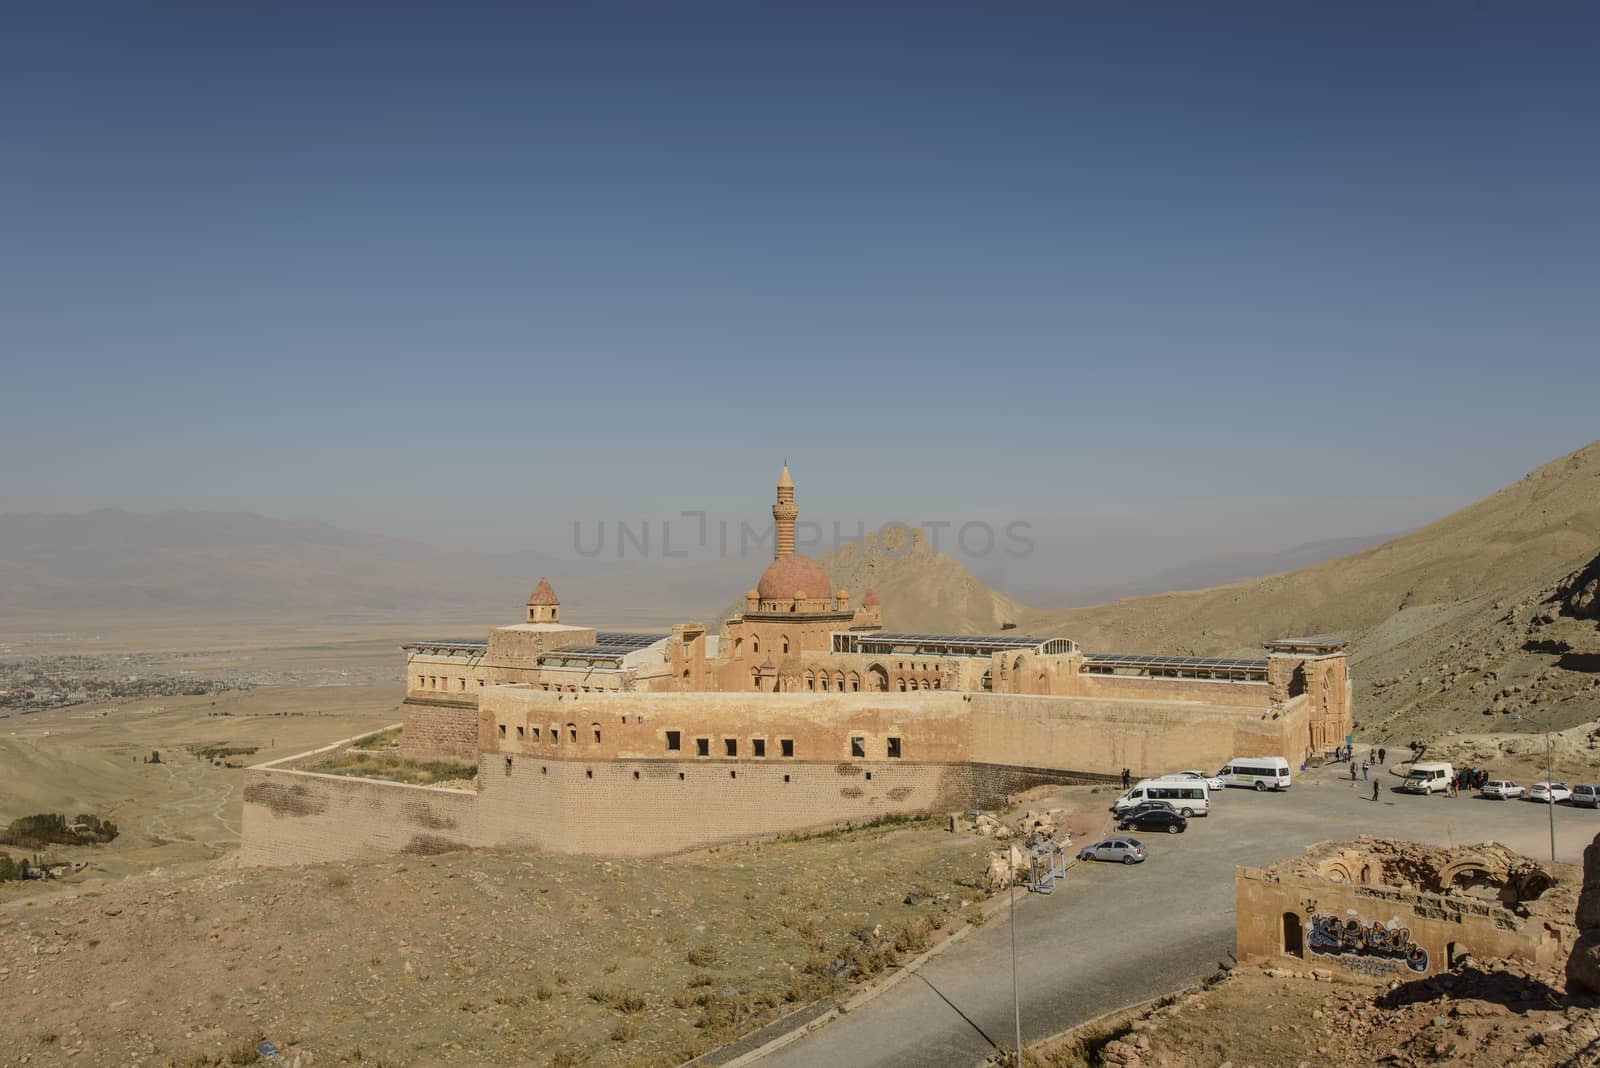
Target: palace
{"type": "Point", "coordinates": [800, 712]}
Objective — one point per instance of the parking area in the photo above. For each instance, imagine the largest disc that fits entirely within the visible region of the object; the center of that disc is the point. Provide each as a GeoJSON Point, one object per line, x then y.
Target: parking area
{"type": "Point", "coordinates": [1114, 935]}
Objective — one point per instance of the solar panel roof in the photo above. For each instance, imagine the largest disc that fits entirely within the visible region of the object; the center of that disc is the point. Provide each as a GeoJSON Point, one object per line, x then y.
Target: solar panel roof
{"type": "Point", "coordinates": [1193, 663]}
{"type": "Point", "coordinates": [448, 643]}
{"type": "Point", "coordinates": [587, 652]}
{"type": "Point", "coordinates": [990, 641]}
{"type": "Point", "coordinates": [626, 639]}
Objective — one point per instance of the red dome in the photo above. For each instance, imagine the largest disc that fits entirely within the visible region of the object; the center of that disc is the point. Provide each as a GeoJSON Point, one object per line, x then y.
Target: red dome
{"type": "Point", "coordinates": [789, 575]}
{"type": "Point", "coordinates": [543, 593]}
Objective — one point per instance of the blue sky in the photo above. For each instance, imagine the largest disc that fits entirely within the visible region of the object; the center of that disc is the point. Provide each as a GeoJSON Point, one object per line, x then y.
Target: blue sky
{"type": "Point", "coordinates": [467, 273]}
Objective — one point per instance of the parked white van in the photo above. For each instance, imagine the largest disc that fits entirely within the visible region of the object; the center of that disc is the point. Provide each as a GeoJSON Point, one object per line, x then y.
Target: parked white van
{"type": "Point", "coordinates": [1188, 797]}
{"type": "Point", "coordinates": [1428, 778]}
{"type": "Point", "coordinates": [1263, 773]}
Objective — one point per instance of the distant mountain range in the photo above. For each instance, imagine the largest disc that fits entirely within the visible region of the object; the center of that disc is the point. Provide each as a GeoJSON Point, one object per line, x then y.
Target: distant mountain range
{"type": "Point", "coordinates": [239, 565]}
{"type": "Point", "coordinates": [1484, 613]}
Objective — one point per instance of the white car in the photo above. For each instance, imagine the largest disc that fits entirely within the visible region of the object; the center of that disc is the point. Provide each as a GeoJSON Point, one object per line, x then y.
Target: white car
{"type": "Point", "coordinates": [1504, 789]}
{"type": "Point", "coordinates": [1586, 796]}
{"type": "Point", "coordinates": [1212, 782]}
{"type": "Point", "coordinates": [1548, 792]}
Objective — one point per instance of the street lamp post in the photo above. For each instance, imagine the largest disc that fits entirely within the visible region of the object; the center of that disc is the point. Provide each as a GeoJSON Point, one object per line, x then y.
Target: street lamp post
{"type": "Point", "coordinates": [1550, 784]}
{"type": "Point", "coordinates": [1550, 795]}
{"type": "Point", "coordinates": [1016, 996]}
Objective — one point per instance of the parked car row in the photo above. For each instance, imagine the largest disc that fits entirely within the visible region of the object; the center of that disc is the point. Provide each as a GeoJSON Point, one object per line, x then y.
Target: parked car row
{"type": "Point", "coordinates": [1583, 795]}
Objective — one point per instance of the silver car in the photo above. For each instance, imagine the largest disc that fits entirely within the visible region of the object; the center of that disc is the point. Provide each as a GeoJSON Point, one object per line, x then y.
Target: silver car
{"type": "Point", "coordinates": [1586, 795]}
{"type": "Point", "coordinates": [1127, 850]}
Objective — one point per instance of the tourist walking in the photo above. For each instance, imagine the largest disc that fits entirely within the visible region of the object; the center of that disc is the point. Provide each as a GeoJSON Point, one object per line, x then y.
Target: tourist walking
{"type": "Point", "coordinates": [1374, 789]}
{"type": "Point", "coordinates": [1352, 771]}
{"type": "Point", "coordinates": [1364, 766]}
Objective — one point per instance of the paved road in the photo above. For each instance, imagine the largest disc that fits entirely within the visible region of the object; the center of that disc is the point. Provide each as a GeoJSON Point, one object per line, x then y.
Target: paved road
{"type": "Point", "coordinates": [1112, 936]}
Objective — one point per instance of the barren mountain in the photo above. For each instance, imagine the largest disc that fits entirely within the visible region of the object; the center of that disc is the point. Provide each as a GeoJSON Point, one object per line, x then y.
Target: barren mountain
{"type": "Point", "coordinates": [1488, 599]}
{"type": "Point", "coordinates": [921, 590]}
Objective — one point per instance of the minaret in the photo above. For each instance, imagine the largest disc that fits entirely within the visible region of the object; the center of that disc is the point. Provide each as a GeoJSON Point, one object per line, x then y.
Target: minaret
{"type": "Point", "coordinates": [783, 514]}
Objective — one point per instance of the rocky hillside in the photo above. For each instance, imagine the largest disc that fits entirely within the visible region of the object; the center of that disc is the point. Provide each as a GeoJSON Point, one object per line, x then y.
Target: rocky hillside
{"type": "Point", "coordinates": [1531, 534]}
{"type": "Point", "coordinates": [1481, 621]}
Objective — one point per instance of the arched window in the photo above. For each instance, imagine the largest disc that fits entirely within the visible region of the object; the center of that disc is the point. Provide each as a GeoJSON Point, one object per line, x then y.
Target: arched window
{"type": "Point", "coordinates": [811, 681]}
{"type": "Point", "coordinates": [786, 643]}
{"type": "Point", "coordinates": [572, 732]}
{"type": "Point", "coordinates": [902, 685]}
{"type": "Point", "coordinates": [755, 643]}
{"type": "Point", "coordinates": [755, 678]}
{"type": "Point", "coordinates": [839, 679]}
{"type": "Point", "coordinates": [855, 682]}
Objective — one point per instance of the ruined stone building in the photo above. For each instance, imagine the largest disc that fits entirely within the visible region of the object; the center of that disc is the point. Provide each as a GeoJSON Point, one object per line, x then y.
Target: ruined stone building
{"type": "Point", "coordinates": [800, 712]}
{"type": "Point", "coordinates": [1384, 909]}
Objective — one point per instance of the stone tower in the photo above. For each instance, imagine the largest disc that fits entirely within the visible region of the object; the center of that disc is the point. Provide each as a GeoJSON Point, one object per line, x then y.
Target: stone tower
{"type": "Point", "coordinates": [543, 604]}
{"type": "Point", "coordinates": [783, 515]}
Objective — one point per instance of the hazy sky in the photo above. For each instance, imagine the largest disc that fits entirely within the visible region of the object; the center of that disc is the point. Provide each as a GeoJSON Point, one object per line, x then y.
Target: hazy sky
{"type": "Point", "coordinates": [1194, 276]}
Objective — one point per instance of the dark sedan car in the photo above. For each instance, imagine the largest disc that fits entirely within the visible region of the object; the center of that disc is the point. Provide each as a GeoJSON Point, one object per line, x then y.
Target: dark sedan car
{"type": "Point", "coordinates": [1154, 820]}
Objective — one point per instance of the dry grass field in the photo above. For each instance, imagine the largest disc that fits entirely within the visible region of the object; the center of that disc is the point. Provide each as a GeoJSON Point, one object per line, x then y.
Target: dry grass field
{"type": "Point", "coordinates": [306, 689]}
{"type": "Point", "coordinates": [471, 958]}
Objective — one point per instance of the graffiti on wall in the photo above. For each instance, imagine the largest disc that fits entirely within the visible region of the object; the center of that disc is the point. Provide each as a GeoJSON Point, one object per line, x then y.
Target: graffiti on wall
{"type": "Point", "coordinates": [1335, 936]}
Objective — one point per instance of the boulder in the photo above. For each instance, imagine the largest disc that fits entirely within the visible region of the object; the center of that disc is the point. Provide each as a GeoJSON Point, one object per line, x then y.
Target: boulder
{"type": "Point", "coordinates": [1583, 965]}
{"type": "Point", "coordinates": [1589, 897]}
{"type": "Point", "coordinates": [999, 874]}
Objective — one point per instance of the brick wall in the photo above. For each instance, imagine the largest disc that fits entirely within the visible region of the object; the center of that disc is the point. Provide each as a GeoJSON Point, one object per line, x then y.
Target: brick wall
{"type": "Point", "coordinates": [642, 808]}
{"type": "Point", "coordinates": [440, 729]}
{"type": "Point", "coordinates": [300, 817]}
{"type": "Point", "coordinates": [1206, 691]}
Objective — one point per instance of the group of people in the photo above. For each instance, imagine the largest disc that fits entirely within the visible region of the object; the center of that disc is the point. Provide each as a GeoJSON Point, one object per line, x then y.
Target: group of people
{"type": "Point", "coordinates": [1471, 779]}
{"type": "Point", "coordinates": [1347, 752]}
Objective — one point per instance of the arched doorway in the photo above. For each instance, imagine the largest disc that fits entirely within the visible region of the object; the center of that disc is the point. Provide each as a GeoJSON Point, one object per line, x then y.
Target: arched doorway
{"type": "Point", "coordinates": [1293, 940]}
{"type": "Point", "coordinates": [877, 678]}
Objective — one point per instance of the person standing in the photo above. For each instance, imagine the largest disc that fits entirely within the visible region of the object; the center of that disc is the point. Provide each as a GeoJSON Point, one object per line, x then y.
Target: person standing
{"type": "Point", "coordinates": [1374, 789]}
{"type": "Point", "coordinates": [1352, 771]}
{"type": "Point", "coordinates": [1381, 754]}
{"type": "Point", "coordinates": [1364, 766]}
{"type": "Point", "coordinates": [1127, 778]}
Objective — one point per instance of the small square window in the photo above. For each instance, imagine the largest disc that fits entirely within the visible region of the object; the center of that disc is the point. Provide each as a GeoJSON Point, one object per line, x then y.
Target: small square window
{"type": "Point", "coordinates": [522, 732]}
{"type": "Point", "coordinates": [786, 778]}
{"type": "Point", "coordinates": [894, 748]}
{"type": "Point", "coordinates": [858, 747]}
{"type": "Point", "coordinates": [730, 746]}
{"type": "Point", "coordinates": [502, 730]}
{"type": "Point", "coordinates": [786, 746]}
{"type": "Point", "coordinates": [674, 741]}
{"type": "Point", "coordinates": [758, 747]}
{"type": "Point", "coordinates": [702, 747]}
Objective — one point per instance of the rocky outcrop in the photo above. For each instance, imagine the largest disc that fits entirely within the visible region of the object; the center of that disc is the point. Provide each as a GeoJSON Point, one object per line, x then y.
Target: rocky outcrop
{"type": "Point", "coordinates": [1580, 592]}
{"type": "Point", "coordinates": [1583, 966]}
